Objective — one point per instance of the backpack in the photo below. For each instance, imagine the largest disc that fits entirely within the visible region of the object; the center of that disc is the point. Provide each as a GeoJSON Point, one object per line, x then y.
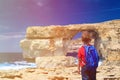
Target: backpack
{"type": "Point", "coordinates": [91, 56]}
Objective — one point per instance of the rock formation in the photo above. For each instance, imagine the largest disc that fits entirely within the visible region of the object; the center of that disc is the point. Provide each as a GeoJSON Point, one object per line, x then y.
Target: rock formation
{"type": "Point", "coordinates": [55, 62]}
{"type": "Point", "coordinates": [43, 41]}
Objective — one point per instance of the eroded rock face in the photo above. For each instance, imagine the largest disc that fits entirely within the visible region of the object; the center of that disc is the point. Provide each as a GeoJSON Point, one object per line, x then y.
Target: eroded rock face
{"type": "Point", "coordinates": [49, 32]}
{"type": "Point", "coordinates": [55, 62]}
{"type": "Point", "coordinates": [44, 47]}
{"type": "Point", "coordinates": [54, 40]}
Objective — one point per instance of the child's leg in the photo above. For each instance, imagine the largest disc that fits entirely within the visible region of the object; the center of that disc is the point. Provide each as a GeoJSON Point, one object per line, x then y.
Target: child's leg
{"type": "Point", "coordinates": [85, 73]}
{"type": "Point", "coordinates": [93, 74]}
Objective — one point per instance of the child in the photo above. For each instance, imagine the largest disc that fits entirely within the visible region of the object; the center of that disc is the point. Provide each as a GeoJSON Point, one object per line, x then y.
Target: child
{"type": "Point", "coordinates": [87, 58]}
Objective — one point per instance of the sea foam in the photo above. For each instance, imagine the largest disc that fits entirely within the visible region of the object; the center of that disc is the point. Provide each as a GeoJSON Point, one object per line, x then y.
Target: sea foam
{"type": "Point", "coordinates": [16, 65]}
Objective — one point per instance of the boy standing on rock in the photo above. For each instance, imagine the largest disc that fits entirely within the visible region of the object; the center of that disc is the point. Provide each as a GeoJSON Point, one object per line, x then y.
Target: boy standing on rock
{"type": "Point", "coordinates": [87, 58]}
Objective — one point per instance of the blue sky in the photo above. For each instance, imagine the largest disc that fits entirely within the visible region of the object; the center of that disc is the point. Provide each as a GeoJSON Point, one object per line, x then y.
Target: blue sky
{"type": "Point", "coordinates": [17, 15]}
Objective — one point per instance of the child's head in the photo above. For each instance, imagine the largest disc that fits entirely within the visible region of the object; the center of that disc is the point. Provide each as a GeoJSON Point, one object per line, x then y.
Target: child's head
{"type": "Point", "coordinates": [86, 37]}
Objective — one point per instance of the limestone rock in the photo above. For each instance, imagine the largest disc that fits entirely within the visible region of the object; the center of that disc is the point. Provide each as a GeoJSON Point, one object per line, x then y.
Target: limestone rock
{"type": "Point", "coordinates": [55, 40]}
{"type": "Point", "coordinates": [55, 62]}
{"type": "Point", "coordinates": [48, 32]}
{"type": "Point", "coordinates": [10, 74]}
{"type": "Point", "coordinates": [65, 73]}
{"type": "Point", "coordinates": [43, 47]}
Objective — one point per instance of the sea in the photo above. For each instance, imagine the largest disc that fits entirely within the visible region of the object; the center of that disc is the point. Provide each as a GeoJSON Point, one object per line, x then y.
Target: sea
{"type": "Point", "coordinates": [14, 61]}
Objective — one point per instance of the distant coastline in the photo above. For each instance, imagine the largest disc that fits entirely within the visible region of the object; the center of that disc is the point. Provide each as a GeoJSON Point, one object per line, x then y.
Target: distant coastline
{"type": "Point", "coordinates": [10, 57]}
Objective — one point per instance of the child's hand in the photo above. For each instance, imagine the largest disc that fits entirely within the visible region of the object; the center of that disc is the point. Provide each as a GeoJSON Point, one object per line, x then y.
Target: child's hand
{"type": "Point", "coordinates": [83, 63]}
{"type": "Point", "coordinates": [79, 71]}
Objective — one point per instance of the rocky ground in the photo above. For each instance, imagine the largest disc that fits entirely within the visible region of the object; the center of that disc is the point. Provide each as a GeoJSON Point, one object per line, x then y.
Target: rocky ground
{"type": "Point", "coordinates": [66, 73]}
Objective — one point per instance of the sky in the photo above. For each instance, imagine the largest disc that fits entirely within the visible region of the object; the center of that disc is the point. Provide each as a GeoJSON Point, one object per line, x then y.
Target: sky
{"type": "Point", "coordinates": [17, 15]}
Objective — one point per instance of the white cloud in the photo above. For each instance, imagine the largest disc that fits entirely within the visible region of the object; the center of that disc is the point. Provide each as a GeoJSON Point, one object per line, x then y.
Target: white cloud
{"type": "Point", "coordinates": [9, 42]}
{"type": "Point", "coordinates": [41, 3]}
{"type": "Point", "coordinates": [12, 35]}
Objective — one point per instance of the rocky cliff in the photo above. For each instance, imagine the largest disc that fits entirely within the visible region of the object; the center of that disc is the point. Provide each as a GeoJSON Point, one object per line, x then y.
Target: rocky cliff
{"type": "Point", "coordinates": [42, 41]}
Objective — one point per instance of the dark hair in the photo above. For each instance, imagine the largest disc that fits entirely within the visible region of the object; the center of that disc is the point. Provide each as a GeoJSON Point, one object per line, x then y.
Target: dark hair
{"type": "Point", "coordinates": [86, 37]}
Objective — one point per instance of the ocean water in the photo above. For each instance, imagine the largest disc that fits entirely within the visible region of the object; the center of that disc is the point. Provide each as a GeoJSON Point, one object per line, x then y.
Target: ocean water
{"type": "Point", "coordinates": [16, 65]}
{"type": "Point", "coordinates": [14, 61]}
